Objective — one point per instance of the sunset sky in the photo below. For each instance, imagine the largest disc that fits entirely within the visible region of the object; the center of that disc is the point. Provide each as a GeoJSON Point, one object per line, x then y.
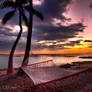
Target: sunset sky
{"type": "Point", "coordinates": [67, 28]}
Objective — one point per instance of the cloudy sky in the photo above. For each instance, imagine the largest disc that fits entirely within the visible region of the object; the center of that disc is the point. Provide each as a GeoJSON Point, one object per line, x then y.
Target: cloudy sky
{"type": "Point", "coordinates": [66, 28]}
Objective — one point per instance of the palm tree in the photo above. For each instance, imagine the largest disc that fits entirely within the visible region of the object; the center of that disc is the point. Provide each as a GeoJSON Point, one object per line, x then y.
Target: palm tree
{"type": "Point", "coordinates": [32, 12]}
{"type": "Point", "coordinates": [14, 5]}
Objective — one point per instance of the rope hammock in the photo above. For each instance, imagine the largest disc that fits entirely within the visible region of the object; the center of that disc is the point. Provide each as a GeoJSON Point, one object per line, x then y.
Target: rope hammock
{"type": "Point", "coordinates": [45, 71]}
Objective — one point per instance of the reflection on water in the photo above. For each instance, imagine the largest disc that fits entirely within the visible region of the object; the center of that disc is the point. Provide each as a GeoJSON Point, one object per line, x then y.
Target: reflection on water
{"type": "Point", "coordinates": [34, 59]}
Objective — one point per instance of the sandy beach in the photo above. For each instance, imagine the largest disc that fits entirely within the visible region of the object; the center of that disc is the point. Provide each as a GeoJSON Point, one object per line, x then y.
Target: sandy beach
{"type": "Point", "coordinates": [79, 83]}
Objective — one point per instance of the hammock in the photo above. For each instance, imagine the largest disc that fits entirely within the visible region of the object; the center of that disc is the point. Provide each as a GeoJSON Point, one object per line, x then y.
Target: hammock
{"type": "Point", "coordinates": [45, 71]}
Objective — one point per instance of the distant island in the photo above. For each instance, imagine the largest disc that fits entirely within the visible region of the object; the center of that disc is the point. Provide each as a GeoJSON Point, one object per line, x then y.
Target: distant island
{"type": "Point", "coordinates": [86, 57]}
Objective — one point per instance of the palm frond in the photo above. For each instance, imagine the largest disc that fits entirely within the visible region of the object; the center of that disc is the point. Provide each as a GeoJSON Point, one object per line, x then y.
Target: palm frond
{"type": "Point", "coordinates": [25, 19]}
{"type": "Point", "coordinates": [38, 14]}
{"type": "Point", "coordinates": [8, 16]}
{"type": "Point", "coordinates": [23, 1]}
{"type": "Point", "coordinates": [7, 4]}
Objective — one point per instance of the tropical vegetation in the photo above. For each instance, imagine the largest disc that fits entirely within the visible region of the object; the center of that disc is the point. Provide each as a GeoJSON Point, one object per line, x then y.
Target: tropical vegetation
{"type": "Point", "coordinates": [17, 5]}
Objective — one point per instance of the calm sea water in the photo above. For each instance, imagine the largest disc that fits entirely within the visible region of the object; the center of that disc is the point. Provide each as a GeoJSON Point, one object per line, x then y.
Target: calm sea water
{"type": "Point", "coordinates": [33, 59]}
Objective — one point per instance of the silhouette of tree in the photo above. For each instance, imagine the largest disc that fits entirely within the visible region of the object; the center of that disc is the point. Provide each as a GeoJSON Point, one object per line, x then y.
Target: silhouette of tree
{"type": "Point", "coordinates": [18, 4]}
{"type": "Point", "coordinates": [32, 12]}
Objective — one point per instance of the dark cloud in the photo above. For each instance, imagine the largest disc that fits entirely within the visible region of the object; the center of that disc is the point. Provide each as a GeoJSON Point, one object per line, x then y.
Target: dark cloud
{"type": "Point", "coordinates": [72, 43]}
{"type": "Point", "coordinates": [44, 30]}
{"type": "Point", "coordinates": [61, 33]}
{"type": "Point", "coordinates": [56, 45]}
{"type": "Point", "coordinates": [88, 41]}
{"type": "Point", "coordinates": [6, 31]}
{"type": "Point", "coordinates": [75, 42]}
{"type": "Point", "coordinates": [50, 47]}
{"type": "Point", "coordinates": [91, 5]}
{"type": "Point", "coordinates": [6, 44]}
{"type": "Point", "coordinates": [50, 9]}
{"type": "Point", "coordinates": [53, 9]}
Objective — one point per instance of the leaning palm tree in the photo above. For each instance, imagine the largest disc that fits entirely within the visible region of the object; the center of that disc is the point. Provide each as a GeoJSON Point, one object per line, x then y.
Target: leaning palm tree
{"type": "Point", "coordinates": [32, 12]}
{"type": "Point", "coordinates": [18, 4]}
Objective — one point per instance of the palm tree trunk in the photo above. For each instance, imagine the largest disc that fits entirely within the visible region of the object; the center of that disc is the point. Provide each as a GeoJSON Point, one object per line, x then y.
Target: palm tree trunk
{"type": "Point", "coordinates": [27, 51]}
{"type": "Point", "coordinates": [10, 69]}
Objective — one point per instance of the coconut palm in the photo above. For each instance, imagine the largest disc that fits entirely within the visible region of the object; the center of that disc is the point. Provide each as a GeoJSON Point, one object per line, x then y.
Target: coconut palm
{"type": "Point", "coordinates": [32, 12]}
{"type": "Point", "coordinates": [18, 4]}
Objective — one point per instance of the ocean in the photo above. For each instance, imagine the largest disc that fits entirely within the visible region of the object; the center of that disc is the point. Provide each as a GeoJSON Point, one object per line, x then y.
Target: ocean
{"type": "Point", "coordinates": [57, 59]}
